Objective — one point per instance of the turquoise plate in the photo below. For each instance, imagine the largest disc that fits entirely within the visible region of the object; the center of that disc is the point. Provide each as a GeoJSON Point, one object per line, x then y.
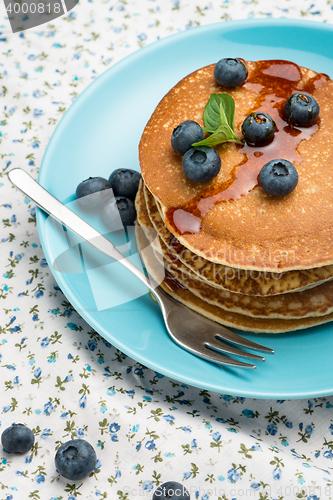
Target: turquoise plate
{"type": "Point", "coordinates": [101, 131]}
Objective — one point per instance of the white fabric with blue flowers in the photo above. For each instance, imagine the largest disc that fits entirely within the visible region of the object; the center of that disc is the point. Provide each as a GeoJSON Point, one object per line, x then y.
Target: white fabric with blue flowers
{"type": "Point", "coordinates": [62, 379]}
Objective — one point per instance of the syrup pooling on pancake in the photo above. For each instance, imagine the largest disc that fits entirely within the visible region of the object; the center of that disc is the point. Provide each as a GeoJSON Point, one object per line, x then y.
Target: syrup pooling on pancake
{"type": "Point", "coordinates": [273, 81]}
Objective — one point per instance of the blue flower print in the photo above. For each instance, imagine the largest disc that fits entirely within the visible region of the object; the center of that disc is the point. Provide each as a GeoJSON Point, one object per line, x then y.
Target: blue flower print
{"type": "Point", "coordinates": [216, 436]}
{"type": "Point", "coordinates": [138, 371]}
{"type": "Point", "coordinates": [150, 445]}
{"type": "Point", "coordinates": [221, 420]}
{"type": "Point", "coordinates": [48, 408]}
{"type": "Point", "coordinates": [114, 427]}
{"type": "Point", "coordinates": [82, 401]}
{"type": "Point", "coordinates": [308, 429]}
{"type": "Point", "coordinates": [92, 344]}
{"type": "Point", "coordinates": [277, 473]}
{"type": "Point", "coordinates": [328, 454]}
{"type": "Point", "coordinates": [248, 413]}
{"type": "Point", "coordinates": [45, 433]}
{"type": "Point", "coordinates": [271, 429]}
{"type": "Point", "coordinates": [331, 429]}
{"type": "Point", "coordinates": [37, 372]}
{"type": "Point", "coordinates": [45, 341]}
{"type": "Point", "coordinates": [255, 486]}
{"type": "Point", "coordinates": [186, 429]}
{"type": "Point", "coordinates": [289, 424]}
{"type": "Point", "coordinates": [40, 478]}
{"type": "Point", "coordinates": [147, 485]}
{"type": "Point", "coordinates": [169, 418]}
{"type": "Point", "coordinates": [233, 475]}
{"type": "Point", "coordinates": [187, 475]}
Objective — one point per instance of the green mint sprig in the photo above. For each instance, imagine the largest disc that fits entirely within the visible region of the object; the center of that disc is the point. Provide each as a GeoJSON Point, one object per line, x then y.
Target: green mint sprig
{"type": "Point", "coordinates": [219, 117]}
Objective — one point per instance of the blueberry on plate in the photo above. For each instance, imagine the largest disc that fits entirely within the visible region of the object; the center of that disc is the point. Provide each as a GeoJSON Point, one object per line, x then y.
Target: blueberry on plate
{"type": "Point", "coordinates": [230, 72]}
{"type": "Point", "coordinates": [125, 182]}
{"type": "Point", "coordinates": [258, 128]}
{"type": "Point", "coordinates": [201, 164]}
{"type": "Point", "coordinates": [93, 191]}
{"type": "Point", "coordinates": [278, 177]}
{"type": "Point", "coordinates": [301, 109]}
{"type": "Point", "coordinates": [171, 490]}
{"type": "Point", "coordinates": [185, 134]}
{"type": "Point", "coordinates": [17, 438]}
{"type": "Point", "coordinates": [126, 209]}
{"type": "Point", "coordinates": [75, 459]}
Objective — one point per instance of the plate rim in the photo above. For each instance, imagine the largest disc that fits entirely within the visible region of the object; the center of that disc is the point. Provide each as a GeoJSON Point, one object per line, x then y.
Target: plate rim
{"type": "Point", "coordinates": [92, 88]}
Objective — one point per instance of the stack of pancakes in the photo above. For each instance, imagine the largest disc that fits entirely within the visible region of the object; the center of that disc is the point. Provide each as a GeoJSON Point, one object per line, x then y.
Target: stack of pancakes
{"type": "Point", "coordinates": [230, 251]}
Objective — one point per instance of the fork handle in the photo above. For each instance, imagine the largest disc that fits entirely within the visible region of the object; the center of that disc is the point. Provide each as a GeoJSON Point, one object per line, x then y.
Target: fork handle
{"type": "Point", "coordinates": [49, 204]}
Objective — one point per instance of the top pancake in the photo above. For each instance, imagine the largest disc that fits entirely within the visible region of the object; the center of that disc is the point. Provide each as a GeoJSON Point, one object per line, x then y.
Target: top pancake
{"type": "Point", "coordinates": [231, 220]}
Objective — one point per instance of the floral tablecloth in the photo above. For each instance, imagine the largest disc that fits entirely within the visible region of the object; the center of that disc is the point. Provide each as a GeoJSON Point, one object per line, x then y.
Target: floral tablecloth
{"type": "Point", "coordinates": [61, 378]}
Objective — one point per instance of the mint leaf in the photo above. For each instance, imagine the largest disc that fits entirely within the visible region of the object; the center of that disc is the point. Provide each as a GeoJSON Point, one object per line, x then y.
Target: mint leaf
{"type": "Point", "coordinates": [223, 134]}
{"type": "Point", "coordinates": [212, 114]}
{"type": "Point", "coordinates": [219, 117]}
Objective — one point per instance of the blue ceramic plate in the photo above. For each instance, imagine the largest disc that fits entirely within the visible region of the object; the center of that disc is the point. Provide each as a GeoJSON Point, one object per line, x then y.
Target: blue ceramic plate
{"type": "Point", "coordinates": [101, 131]}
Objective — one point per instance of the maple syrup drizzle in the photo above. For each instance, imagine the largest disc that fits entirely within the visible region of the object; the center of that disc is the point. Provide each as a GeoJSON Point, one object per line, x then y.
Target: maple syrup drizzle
{"type": "Point", "coordinates": [274, 81]}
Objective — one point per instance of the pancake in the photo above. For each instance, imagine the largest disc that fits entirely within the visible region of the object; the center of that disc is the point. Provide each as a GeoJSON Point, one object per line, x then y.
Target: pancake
{"type": "Point", "coordinates": [229, 319]}
{"type": "Point", "coordinates": [228, 278]}
{"type": "Point", "coordinates": [317, 301]}
{"type": "Point", "coordinates": [230, 220]}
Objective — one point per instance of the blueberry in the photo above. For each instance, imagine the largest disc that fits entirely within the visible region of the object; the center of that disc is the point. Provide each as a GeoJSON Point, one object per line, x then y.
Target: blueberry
{"type": "Point", "coordinates": [125, 182]}
{"type": "Point", "coordinates": [126, 209]}
{"type": "Point", "coordinates": [230, 72]}
{"type": "Point", "coordinates": [301, 109]}
{"type": "Point", "coordinates": [171, 490]}
{"type": "Point", "coordinates": [75, 459]}
{"type": "Point", "coordinates": [258, 128]}
{"type": "Point", "coordinates": [201, 164]}
{"type": "Point", "coordinates": [17, 438]}
{"type": "Point", "coordinates": [93, 191]}
{"type": "Point", "coordinates": [184, 135]}
{"type": "Point", "coordinates": [278, 177]}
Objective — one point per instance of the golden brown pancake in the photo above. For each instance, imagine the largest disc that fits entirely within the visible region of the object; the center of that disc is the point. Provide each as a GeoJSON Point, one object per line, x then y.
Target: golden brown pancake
{"type": "Point", "coordinates": [231, 220]}
{"type": "Point", "coordinates": [317, 301]}
{"type": "Point", "coordinates": [229, 319]}
{"type": "Point", "coordinates": [228, 278]}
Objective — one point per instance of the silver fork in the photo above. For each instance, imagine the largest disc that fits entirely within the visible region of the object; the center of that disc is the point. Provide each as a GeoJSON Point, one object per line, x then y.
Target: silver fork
{"type": "Point", "coordinates": [191, 331]}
